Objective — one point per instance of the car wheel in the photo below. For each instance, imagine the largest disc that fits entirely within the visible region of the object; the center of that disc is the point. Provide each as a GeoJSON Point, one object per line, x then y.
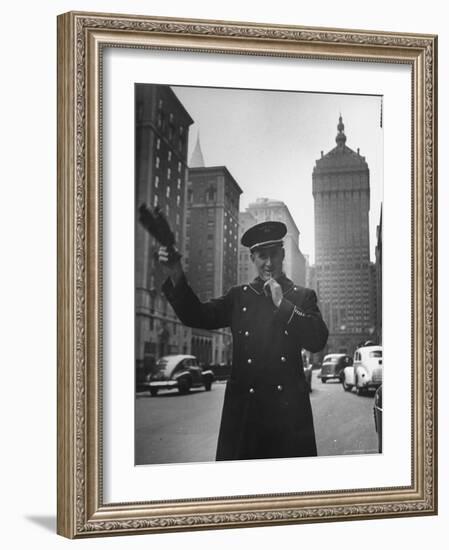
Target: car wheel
{"type": "Point", "coordinates": [153, 392]}
{"type": "Point", "coordinates": [346, 386]}
{"type": "Point", "coordinates": [184, 386]}
{"type": "Point", "coordinates": [323, 380]}
{"type": "Point", "coordinates": [208, 385]}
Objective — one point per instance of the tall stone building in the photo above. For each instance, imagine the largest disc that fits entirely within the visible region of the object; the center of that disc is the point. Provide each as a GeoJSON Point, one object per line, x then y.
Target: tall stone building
{"type": "Point", "coordinates": [161, 134]}
{"type": "Point", "coordinates": [267, 209]}
{"type": "Point", "coordinates": [341, 190]}
{"type": "Point", "coordinates": [310, 274]}
{"type": "Point", "coordinates": [378, 332]}
{"type": "Point", "coordinates": [211, 259]}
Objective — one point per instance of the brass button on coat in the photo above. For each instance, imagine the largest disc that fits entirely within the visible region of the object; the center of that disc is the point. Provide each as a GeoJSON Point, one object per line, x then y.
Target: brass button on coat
{"type": "Point", "coordinates": [283, 359]}
{"type": "Point", "coordinates": [250, 361]}
{"type": "Point", "coordinates": [279, 388]}
{"type": "Point", "coordinates": [252, 390]}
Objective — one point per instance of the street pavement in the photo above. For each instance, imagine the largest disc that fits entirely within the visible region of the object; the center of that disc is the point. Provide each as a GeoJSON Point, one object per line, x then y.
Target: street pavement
{"type": "Point", "coordinates": [173, 428]}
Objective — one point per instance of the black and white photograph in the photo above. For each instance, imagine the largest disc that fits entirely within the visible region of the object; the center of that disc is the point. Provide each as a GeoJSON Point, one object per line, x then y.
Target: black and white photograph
{"type": "Point", "coordinates": [258, 274]}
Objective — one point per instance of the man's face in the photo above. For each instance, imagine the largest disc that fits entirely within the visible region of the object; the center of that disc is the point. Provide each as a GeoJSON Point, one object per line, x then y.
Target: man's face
{"type": "Point", "coordinates": [268, 262]}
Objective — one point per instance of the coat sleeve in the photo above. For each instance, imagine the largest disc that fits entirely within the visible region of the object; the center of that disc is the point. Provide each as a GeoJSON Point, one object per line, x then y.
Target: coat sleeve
{"type": "Point", "coordinates": [213, 314]}
{"type": "Point", "coordinates": [306, 320]}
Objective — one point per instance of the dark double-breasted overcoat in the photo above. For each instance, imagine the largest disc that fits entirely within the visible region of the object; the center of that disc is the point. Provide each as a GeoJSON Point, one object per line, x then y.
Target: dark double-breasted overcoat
{"type": "Point", "coordinates": [266, 410]}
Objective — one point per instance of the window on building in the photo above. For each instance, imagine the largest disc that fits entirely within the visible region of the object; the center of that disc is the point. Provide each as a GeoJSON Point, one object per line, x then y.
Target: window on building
{"type": "Point", "coordinates": [179, 166]}
{"type": "Point", "coordinates": [210, 194]}
{"type": "Point", "coordinates": [155, 200]}
{"type": "Point", "coordinates": [167, 193]}
{"type": "Point", "coordinates": [168, 173]}
{"type": "Point", "coordinates": [158, 162]}
{"type": "Point", "coordinates": [169, 156]}
{"type": "Point", "coordinates": [156, 181]}
{"type": "Point", "coordinates": [158, 143]}
{"type": "Point", "coordinates": [179, 183]}
{"type": "Point", "coordinates": [178, 200]}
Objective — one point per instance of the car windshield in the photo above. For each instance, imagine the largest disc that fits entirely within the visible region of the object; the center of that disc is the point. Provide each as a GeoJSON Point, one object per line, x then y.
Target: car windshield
{"type": "Point", "coordinates": [331, 359]}
{"type": "Point", "coordinates": [376, 353]}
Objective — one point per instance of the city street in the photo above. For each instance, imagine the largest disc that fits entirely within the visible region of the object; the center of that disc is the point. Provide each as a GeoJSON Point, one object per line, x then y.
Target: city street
{"type": "Point", "coordinates": [184, 428]}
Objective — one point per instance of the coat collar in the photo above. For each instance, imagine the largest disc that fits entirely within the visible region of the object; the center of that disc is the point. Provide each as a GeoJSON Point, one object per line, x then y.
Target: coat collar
{"type": "Point", "coordinates": [283, 280]}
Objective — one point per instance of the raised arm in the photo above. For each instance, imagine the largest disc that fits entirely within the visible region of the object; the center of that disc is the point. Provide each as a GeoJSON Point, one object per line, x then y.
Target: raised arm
{"type": "Point", "coordinates": [213, 314]}
{"type": "Point", "coordinates": [210, 315]}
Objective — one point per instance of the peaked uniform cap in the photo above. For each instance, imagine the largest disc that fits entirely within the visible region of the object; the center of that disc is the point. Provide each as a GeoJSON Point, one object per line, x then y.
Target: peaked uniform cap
{"type": "Point", "coordinates": [263, 235]}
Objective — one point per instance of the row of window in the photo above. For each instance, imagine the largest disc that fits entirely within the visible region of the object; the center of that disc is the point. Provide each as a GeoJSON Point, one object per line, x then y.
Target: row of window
{"type": "Point", "coordinates": [157, 183]}
{"type": "Point", "coordinates": [157, 202]}
{"type": "Point", "coordinates": [169, 128]}
{"type": "Point", "coordinates": [348, 266]}
{"type": "Point", "coordinates": [157, 160]}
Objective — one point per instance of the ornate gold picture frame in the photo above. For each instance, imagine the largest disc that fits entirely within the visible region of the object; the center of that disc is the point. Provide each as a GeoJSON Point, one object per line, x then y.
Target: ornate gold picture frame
{"type": "Point", "coordinates": [83, 511]}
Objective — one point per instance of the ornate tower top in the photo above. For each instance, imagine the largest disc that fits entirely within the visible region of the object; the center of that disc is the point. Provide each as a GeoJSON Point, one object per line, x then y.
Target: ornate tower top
{"type": "Point", "coordinates": [341, 137]}
{"type": "Point", "coordinates": [197, 160]}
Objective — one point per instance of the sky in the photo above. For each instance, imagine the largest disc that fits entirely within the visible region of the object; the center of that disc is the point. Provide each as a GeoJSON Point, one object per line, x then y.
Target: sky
{"type": "Point", "coordinates": [270, 141]}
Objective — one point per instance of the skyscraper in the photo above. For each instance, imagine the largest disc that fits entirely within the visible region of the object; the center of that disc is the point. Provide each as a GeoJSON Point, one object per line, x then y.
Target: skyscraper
{"type": "Point", "coordinates": [341, 190]}
{"type": "Point", "coordinates": [162, 126]}
{"type": "Point", "coordinates": [213, 198]}
{"type": "Point", "coordinates": [379, 281]}
{"type": "Point", "coordinates": [247, 271]}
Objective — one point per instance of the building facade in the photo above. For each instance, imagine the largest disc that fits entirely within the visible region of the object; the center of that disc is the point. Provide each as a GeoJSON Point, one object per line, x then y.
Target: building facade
{"type": "Point", "coordinates": [161, 134]}
{"type": "Point", "coordinates": [211, 253]}
{"type": "Point", "coordinates": [267, 209]}
{"type": "Point", "coordinates": [341, 191]}
{"type": "Point", "coordinates": [247, 271]}
{"type": "Point", "coordinates": [378, 332]}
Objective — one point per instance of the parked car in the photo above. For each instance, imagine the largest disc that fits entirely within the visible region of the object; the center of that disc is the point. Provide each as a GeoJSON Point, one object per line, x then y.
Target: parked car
{"type": "Point", "coordinates": [377, 409]}
{"type": "Point", "coordinates": [366, 371]}
{"type": "Point", "coordinates": [333, 365]}
{"type": "Point", "coordinates": [307, 366]}
{"type": "Point", "coordinates": [178, 372]}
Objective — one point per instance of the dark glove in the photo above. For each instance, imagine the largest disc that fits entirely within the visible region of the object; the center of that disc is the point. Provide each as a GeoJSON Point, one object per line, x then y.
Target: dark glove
{"type": "Point", "coordinates": [154, 221]}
